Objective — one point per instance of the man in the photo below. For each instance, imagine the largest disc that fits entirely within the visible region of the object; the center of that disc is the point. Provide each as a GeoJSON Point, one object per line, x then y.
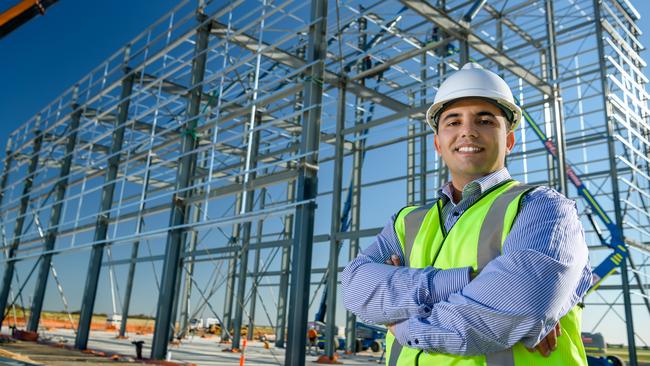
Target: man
{"type": "Point", "coordinates": [312, 337]}
{"type": "Point", "coordinates": [492, 267]}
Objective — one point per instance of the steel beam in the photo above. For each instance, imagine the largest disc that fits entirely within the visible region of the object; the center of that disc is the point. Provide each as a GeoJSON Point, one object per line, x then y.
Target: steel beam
{"type": "Point", "coordinates": [55, 217]}
{"type": "Point", "coordinates": [459, 31]}
{"type": "Point", "coordinates": [287, 59]}
{"type": "Point", "coordinates": [307, 185]}
{"type": "Point", "coordinates": [20, 221]}
{"type": "Point", "coordinates": [172, 265]}
{"type": "Point", "coordinates": [101, 226]}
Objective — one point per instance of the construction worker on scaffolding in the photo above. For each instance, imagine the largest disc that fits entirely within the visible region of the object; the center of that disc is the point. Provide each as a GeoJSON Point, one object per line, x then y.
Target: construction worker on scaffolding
{"type": "Point", "coordinates": [493, 271]}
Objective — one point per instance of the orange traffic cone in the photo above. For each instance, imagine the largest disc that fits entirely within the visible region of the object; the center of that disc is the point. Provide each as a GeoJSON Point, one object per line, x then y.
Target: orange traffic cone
{"type": "Point", "coordinates": [242, 358]}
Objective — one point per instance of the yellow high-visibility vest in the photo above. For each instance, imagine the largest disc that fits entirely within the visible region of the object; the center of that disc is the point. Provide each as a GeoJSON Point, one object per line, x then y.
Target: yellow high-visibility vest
{"type": "Point", "coordinates": [475, 239]}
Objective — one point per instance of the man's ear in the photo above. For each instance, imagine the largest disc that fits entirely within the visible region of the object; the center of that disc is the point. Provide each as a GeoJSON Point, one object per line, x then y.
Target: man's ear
{"type": "Point", "coordinates": [436, 143]}
{"type": "Point", "coordinates": [510, 141]}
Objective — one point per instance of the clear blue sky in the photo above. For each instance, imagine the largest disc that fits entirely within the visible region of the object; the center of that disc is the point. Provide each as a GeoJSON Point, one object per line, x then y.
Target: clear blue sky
{"type": "Point", "coordinates": [47, 55]}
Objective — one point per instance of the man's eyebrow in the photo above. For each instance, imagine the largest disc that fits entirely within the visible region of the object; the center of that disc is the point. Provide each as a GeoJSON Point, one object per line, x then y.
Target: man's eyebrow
{"type": "Point", "coordinates": [486, 113]}
{"type": "Point", "coordinates": [451, 115]}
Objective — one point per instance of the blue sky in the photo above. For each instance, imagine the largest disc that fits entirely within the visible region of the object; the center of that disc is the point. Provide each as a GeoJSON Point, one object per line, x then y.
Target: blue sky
{"type": "Point", "coordinates": [47, 55]}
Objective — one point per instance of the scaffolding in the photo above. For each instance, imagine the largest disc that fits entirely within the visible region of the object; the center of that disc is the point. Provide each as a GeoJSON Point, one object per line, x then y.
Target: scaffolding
{"type": "Point", "coordinates": [229, 133]}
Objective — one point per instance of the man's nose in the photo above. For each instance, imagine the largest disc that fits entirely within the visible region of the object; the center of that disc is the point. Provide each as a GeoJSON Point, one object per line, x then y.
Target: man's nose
{"type": "Point", "coordinates": [468, 130]}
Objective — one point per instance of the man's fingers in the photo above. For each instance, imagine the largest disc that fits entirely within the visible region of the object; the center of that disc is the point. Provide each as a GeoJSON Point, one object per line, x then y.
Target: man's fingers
{"type": "Point", "coordinates": [395, 259]}
{"type": "Point", "coordinates": [543, 348]}
{"type": "Point", "coordinates": [551, 340]}
{"type": "Point", "coordinates": [558, 329]}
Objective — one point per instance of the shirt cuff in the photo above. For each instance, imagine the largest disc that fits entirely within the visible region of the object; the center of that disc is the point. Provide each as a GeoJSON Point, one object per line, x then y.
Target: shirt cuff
{"type": "Point", "coordinates": [447, 282]}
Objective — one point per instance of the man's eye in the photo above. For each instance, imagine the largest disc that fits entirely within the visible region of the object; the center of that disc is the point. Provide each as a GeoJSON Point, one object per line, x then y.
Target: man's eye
{"type": "Point", "coordinates": [485, 121]}
{"type": "Point", "coordinates": [453, 123]}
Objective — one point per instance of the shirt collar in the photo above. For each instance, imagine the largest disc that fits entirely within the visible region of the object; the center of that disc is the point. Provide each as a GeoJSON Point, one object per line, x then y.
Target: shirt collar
{"type": "Point", "coordinates": [483, 184]}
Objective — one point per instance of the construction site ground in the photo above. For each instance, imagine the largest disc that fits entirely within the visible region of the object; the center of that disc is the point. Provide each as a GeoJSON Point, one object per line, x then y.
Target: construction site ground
{"type": "Point", "coordinates": [194, 350]}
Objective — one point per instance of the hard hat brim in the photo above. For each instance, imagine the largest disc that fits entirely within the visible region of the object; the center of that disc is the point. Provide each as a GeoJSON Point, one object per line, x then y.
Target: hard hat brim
{"type": "Point", "coordinates": [436, 109]}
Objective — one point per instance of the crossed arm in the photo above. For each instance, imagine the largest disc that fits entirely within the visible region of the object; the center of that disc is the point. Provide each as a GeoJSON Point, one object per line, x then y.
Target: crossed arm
{"type": "Point", "coordinates": [519, 296]}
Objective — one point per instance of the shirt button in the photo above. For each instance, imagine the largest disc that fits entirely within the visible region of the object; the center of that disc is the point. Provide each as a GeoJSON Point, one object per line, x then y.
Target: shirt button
{"type": "Point", "coordinates": [456, 213]}
{"type": "Point", "coordinates": [409, 343]}
{"type": "Point", "coordinates": [416, 341]}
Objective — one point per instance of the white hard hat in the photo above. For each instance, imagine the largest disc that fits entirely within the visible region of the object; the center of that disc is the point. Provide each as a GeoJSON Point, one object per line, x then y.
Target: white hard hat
{"type": "Point", "coordinates": [474, 81]}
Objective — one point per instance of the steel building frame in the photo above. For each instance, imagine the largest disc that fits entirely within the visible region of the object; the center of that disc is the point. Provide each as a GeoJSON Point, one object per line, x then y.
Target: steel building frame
{"type": "Point", "coordinates": [202, 142]}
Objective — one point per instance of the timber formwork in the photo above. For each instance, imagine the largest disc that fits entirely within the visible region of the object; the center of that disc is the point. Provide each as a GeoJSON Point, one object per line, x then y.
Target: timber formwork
{"type": "Point", "coordinates": [289, 132]}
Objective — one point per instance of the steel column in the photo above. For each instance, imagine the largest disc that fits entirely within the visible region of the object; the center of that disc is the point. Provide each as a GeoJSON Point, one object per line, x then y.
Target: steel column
{"type": "Point", "coordinates": [410, 156]}
{"type": "Point", "coordinates": [284, 270]}
{"type": "Point", "coordinates": [556, 97]}
{"type": "Point", "coordinates": [627, 301]}
{"type": "Point", "coordinates": [187, 275]}
{"type": "Point", "coordinates": [283, 289]}
{"type": "Point", "coordinates": [20, 220]}
{"type": "Point", "coordinates": [424, 127]}
{"type": "Point", "coordinates": [256, 269]}
{"type": "Point", "coordinates": [357, 161]}
{"type": "Point", "coordinates": [136, 245]}
{"type": "Point", "coordinates": [307, 185]}
{"type": "Point", "coordinates": [353, 251]}
{"type": "Point", "coordinates": [249, 203]}
{"type": "Point", "coordinates": [549, 126]}
{"type": "Point", "coordinates": [3, 184]}
{"type": "Point", "coordinates": [232, 274]}
{"type": "Point", "coordinates": [55, 216]}
{"type": "Point", "coordinates": [335, 227]}
{"type": "Point", "coordinates": [101, 226]}
{"type": "Point", "coordinates": [442, 171]}
{"type": "Point", "coordinates": [186, 166]}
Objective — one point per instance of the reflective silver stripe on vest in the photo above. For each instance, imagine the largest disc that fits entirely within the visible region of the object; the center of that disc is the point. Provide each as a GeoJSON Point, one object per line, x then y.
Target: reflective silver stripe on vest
{"type": "Point", "coordinates": [489, 247]}
{"type": "Point", "coordinates": [502, 358]}
{"type": "Point", "coordinates": [412, 223]}
{"type": "Point", "coordinates": [489, 240]}
{"type": "Point", "coordinates": [395, 350]}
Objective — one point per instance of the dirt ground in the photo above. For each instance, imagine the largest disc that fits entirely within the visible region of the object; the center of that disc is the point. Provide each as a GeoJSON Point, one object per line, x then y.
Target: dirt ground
{"type": "Point", "coordinates": [41, 354]}
{"type": "Point", "coordinates": [58, 320]}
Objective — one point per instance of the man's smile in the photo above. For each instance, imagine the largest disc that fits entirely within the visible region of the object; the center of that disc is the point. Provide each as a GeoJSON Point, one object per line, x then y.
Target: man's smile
{"type": "Point", "coordinates": [468, 149]}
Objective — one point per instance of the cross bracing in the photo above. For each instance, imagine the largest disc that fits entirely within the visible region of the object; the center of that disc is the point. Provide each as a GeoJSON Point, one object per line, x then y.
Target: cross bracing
{"type": "Point", "coordinates": [203, 157]}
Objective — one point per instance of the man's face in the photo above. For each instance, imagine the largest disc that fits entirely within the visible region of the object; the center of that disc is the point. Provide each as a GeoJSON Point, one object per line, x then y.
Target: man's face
{"type": "Point", "coordinates": [473, 138]}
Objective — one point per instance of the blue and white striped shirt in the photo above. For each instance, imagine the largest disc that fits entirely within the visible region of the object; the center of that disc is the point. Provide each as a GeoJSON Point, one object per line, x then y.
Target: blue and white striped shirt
{"type": "Point", "coordinates": [519, 296]}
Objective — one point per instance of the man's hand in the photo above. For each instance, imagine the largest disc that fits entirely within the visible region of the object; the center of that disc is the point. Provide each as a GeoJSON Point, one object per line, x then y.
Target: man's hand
{"type": "Point", "coordinates": [393, 260]}
{"type": "Point", "coordinates": [544, 347]}
{"type": "Point", "coordinates": [549, 343]}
